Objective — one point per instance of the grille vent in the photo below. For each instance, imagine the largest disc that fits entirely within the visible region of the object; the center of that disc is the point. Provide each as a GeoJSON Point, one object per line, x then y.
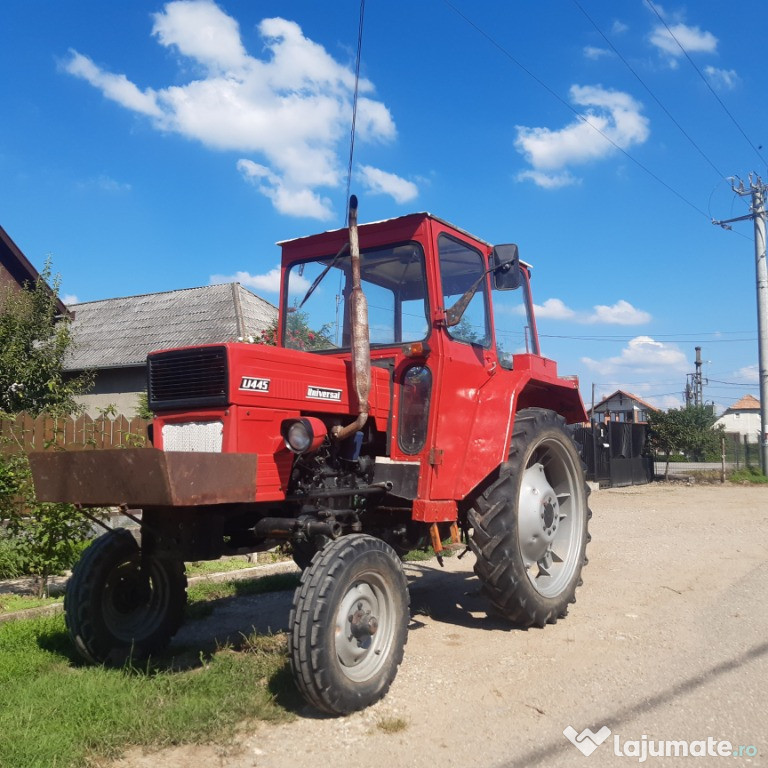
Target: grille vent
{"type": "Point", "coordinates": [186, 378]}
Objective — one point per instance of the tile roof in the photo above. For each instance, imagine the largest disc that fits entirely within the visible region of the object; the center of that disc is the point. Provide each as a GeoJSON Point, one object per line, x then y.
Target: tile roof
{"type": "Point", "coordinates": [747, 403]}
{"type": "Point", "coordinates": [629, 396]}
{"type": "Point", "coordinates": [115, 333]}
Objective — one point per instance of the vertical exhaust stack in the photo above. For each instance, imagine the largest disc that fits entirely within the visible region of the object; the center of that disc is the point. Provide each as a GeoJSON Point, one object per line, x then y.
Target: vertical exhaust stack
{"type": "Point", "coordinates": [361, 346]}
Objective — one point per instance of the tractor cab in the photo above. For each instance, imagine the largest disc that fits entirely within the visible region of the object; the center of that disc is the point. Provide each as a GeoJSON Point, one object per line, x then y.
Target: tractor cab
{"type": "Point", "coordinates": [451, 320]}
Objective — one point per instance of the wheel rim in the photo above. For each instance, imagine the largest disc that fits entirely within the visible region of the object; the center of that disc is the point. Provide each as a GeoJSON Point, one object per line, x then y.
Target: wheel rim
{"type": "Point", "coordinates": [551, 517]}
{"type": "Point", "coordinates": [364, 628]}
{"type": "Point", "coordinates": [134, 600]}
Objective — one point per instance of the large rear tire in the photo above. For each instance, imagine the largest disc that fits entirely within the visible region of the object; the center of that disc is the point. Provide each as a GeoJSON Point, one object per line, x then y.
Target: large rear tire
{"type": "Point", "coordinates": [120, 606]}
{"type": "Point", "coordinates": [530, 525]}
{"type": "Point", "coordinates": [349, 624]}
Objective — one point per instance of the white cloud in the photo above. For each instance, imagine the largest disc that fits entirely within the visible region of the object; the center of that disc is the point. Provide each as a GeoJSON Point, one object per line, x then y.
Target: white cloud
{"type": "Point", "coordinates": [115, 87]}
{"type": "Point", "coordinates": [621, 313]}
{"type": "Point", "coordinates": [549, 180]}
{"type": "Point", "coordinates": [105, 184]}
{"type": "Point", "coordinates": [200, 30]}
{"type": "Point", "coordinates": [69, 299]}
{"type": "Point", "coordinates": [749, 374]}
{"type": "Point", "coordinates": [611, 119]}
{"type": "Point", "coordinates": [594, 53]}
{"type": "Point", "coordinates": [291, 107]}
{"type": "Point", "coordinates": [692, 39]}
{"type": "Point", "coordinates": [723, 79]}
{"type": "Point", "coordinates": [619, 27]}
{"type": "Point", "coordinates": [292, 202]}
{"type": "Point", "coordinates": [554, 309]}
{"type": "Point", "coordinates": [269, 282]}
{"type": "Point", "coordinates": [381, 182]}
{"type": "Point", "coordinates": [642, 356]}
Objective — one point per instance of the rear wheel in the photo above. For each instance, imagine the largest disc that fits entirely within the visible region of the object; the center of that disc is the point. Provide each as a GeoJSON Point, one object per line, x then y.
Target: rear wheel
{"type": "Point", "coordinates": [530, 526]}
{"type": "Point", "coordinates": [120, 605]}
{"type": "Point", "coordinates": [349, 624]}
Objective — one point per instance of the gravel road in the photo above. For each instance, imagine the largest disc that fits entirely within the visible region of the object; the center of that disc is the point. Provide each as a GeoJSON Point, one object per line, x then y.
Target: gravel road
{"type": "Point", "coordinates": [668, 641]}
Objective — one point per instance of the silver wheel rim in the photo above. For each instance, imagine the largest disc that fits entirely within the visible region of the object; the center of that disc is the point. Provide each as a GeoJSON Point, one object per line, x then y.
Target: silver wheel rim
{"type": "Point", "coordinates": [364, 629]}
{"type": "Point", "coordinates": [551, 517]}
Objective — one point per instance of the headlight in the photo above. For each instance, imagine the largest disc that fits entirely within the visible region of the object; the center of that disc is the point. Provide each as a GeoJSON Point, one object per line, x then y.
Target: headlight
{"type": "Point", "coordinates": [303, 435]}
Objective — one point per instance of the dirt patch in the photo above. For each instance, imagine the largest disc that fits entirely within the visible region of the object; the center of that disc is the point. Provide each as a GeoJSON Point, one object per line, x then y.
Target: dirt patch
{"type": "Point", "coordinates": [667, 639]}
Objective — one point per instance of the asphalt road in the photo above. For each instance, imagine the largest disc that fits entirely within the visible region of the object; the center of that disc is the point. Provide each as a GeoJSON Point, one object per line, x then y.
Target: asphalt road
{"type": "Point", "coordinates": [668, 642]}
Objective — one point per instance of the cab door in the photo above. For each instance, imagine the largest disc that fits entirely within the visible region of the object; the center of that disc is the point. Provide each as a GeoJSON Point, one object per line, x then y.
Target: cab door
{"type": "Point", "coordinates": [467, 363]}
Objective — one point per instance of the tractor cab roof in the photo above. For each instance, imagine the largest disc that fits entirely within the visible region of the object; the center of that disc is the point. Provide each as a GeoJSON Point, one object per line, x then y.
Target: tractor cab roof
{"type": "Point", "coordinates": [396, 224]}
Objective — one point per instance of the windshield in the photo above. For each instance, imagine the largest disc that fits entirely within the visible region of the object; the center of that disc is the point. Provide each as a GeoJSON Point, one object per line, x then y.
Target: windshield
{"type": "Point", "coordinates": [393, 282]}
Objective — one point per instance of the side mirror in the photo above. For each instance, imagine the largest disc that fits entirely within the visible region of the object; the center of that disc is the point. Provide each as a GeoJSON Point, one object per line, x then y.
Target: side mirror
{"type": "Point", "coordinates": [505, 266]}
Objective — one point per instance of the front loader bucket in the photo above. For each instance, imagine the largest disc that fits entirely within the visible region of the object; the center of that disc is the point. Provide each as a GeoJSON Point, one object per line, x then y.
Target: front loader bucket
{"type": "Point", "coordinates": [143, 477]}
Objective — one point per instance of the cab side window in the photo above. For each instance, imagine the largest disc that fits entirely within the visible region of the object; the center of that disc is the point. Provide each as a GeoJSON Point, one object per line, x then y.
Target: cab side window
{"type": "Point", "coordinates": [460, 268]}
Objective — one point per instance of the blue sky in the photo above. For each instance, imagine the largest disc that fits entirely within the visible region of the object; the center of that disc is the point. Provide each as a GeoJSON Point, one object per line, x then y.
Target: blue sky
{"type": "Point", "coordinates": [148, 146]}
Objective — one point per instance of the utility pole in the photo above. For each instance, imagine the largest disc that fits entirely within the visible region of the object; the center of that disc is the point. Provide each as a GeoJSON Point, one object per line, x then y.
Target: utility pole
{"type": "Point", "coordinates": [694, 386]}
{"type": "Point", "coordinates": [757, 191]}
{"type": "Point", "coordinates": [698, 394]}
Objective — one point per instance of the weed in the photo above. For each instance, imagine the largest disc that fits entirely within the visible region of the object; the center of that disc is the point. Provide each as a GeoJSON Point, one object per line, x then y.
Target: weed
{"type": "Point", "coordinates": [392, 724]}
{"type": "Point", "coordinates": [748, 475]}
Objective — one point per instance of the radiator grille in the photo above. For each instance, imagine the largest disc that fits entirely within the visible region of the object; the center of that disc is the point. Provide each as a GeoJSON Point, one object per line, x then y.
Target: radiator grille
{"type": "Point", "coordinates": [200, 436]}
{"type": "Point", "coordinates": [187, 378]}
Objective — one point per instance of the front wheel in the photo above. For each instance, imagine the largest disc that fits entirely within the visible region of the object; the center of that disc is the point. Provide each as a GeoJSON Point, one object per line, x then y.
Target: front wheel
{"type": "Point", "coordinates": [349, 624]}
{"type": "Point", "coordinates": [530, 526]}
{"type": "Point", "coordinates": [120, 605]}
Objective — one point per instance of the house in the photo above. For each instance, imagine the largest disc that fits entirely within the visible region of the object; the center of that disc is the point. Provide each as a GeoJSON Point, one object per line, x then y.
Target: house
{"type": "Point", "coordinates": [112, 337]}
{"type": "Point", "coordinates": [743, 417]}
{"type": "Point", "coordinates": [623, 407]}
{"type": "Point", "coordinates": [15, 269]}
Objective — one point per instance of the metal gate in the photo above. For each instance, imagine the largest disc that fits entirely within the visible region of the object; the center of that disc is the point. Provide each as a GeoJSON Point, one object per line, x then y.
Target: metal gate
{"type": "Point", "coordinates": [616, 454]}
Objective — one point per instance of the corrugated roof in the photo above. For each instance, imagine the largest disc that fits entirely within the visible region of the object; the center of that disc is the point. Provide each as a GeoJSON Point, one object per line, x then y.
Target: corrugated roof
{"type": "Point", "coordinates": [122, 332]}
{"type": "Point", "coordinates": [747, 403]}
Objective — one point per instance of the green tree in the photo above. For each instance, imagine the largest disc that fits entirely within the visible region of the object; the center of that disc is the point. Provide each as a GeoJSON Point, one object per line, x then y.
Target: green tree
{"type": "Point", "coordinates": [298, 334]}
{"type": "Point", "coordinates": [33, 345]}
{"type": "Point", "coordinates": [685, 430]}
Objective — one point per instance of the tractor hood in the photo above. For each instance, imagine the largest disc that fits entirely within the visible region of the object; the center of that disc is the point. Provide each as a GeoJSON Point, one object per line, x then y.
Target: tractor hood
{"type": "Point", "coordinates": [260, 376]}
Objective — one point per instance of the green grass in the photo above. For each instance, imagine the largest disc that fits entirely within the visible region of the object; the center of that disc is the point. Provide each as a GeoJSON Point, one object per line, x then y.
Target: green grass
{"type": "Point", "coordinates": [207, 567]}
{"type": "Point", "coordinates": [199, 594]}
{"type": "Point", "coordinates": [10, 603]}
{"type": "Point", "coordinates": [747, 475]}
{"type": "Point", "coordinates": [202, 594]}
{"type": "Point", "coordinates": [419, 555]}
{"type": "Point", "coordinates": [57, 712]}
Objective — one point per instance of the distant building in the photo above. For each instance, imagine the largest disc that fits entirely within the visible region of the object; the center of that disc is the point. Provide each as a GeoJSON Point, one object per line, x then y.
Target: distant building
{"type": "Point", "coordinates": [113, 337]}
{"type": "Point", "coordinates": [16, 271]}
{"type": "Point", "coordinates": [743, 417]}
{"type": "Point", "coordinates": [623, 407]}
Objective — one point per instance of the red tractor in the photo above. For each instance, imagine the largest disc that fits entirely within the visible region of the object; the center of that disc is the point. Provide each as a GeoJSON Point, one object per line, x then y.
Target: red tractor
{"type": "Point", "coordinates": [406, 402]}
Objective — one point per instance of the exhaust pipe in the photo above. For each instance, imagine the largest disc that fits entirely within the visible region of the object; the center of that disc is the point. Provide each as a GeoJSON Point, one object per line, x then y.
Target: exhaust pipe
{"type": "Point", "coordinates": [361, 346]}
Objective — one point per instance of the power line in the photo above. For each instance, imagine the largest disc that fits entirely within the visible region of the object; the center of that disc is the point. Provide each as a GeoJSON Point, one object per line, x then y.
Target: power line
{"type": "Point", "coordinates": [570, 107]}
{"type": "Point", "coordinates": [650, 92]}
{"type": "Point", "coordinates": [706, 82]}
{"type": "Point", "coordinates": [666, 338]}
{"type": "Point", "coordinates": [732, 383]}
{"type": "Point", "coordinates": [354, 104]}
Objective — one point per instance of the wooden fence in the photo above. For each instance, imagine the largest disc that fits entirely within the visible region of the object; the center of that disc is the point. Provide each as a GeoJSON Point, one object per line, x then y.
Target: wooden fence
{"type": "Point", "coordinates": [30, 433]}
